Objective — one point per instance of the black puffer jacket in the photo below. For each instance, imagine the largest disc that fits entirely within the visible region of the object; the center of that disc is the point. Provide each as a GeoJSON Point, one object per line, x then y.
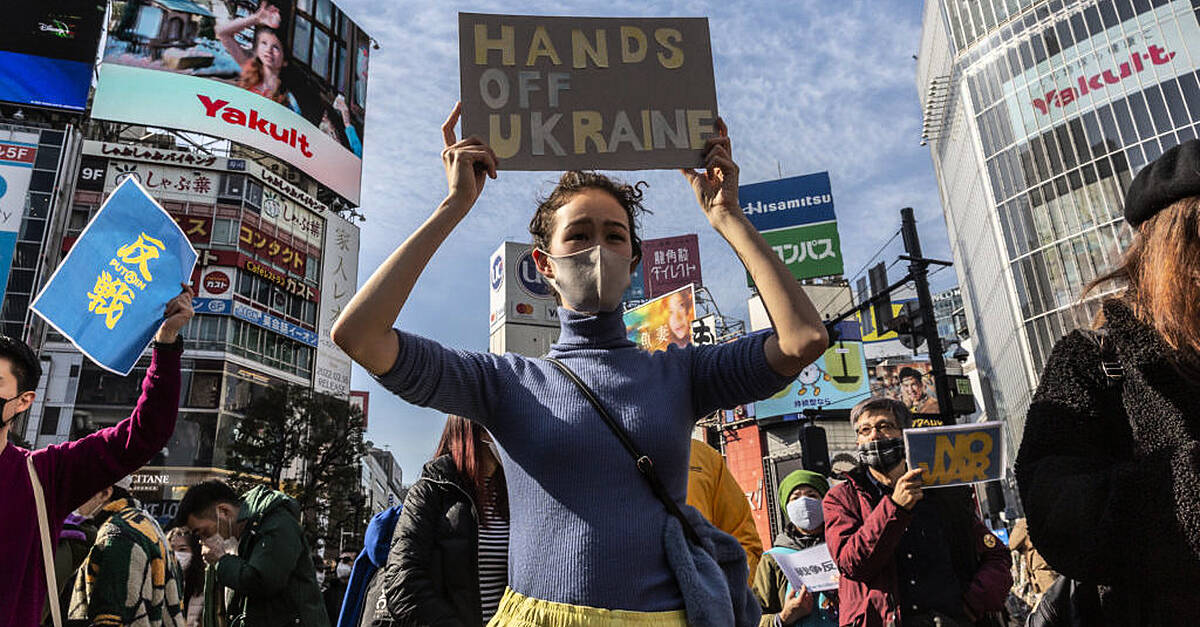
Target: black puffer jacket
{"type": "Point", "coordinates": [432, 572]}
{"type": "Point", "coordinates": [1109, 472]}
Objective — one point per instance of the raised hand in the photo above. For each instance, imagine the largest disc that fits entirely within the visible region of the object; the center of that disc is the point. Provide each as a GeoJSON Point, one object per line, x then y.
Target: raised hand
{"type": "Point", "coordinates": [716, 188]}
{"type": "Point", "coordinates": [179, 311]}
{"type": "Point", "coordinates": [468, 164]}
{"type": "Point", "coordinates": [267, 15]}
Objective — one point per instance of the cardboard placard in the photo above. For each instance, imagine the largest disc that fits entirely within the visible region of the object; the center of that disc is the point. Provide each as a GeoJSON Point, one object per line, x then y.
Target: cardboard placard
{"type": "Point", "coordinates": [957, 454]}
{"type": "Point", "coordinates": [563, 93]}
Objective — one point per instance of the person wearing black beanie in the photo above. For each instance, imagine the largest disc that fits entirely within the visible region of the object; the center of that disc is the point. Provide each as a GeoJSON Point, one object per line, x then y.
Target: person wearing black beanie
{"type": "Point", "coordinates": [1109, 466]}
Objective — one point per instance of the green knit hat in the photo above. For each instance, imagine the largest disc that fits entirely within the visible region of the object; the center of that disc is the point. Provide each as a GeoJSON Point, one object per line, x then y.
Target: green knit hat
{"type": "Point", "coordinates": [797, 478]}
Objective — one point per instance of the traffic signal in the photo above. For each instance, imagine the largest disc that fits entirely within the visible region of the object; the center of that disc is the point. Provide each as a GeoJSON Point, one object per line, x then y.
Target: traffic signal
{"type": "Point", "coordinates": [814, 448]}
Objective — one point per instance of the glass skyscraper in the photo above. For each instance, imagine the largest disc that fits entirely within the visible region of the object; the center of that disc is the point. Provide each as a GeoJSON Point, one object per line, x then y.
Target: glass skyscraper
{"type": "Point", "coordinates": [1038, 115]}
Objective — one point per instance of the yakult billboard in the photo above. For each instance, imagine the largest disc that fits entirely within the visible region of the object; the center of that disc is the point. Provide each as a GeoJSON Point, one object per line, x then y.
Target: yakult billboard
{"type": "Point", "coordinates": [287, 77]}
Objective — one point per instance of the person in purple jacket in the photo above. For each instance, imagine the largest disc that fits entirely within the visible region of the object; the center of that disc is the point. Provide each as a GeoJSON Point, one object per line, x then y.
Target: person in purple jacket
{"type": "Point", "coordinates": [70, 473]}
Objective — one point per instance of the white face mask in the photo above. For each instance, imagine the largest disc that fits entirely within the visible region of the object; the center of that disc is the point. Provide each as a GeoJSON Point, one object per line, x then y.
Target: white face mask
{"type": "Point", "coordinates": [184, 558]}
{"type": "Point", "coordinates": [343, 571]}
{"type": "Point", "coordinates": [805, 513]}
{"type": "Point", "coordinates": [230, 542]}
{"type": "Point", "coordinates": [591, 280]}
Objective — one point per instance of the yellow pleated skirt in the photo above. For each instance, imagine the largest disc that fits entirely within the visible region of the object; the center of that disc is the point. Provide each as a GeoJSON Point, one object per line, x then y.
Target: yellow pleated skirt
{"type": "Point", "coordinates": [518, 610]}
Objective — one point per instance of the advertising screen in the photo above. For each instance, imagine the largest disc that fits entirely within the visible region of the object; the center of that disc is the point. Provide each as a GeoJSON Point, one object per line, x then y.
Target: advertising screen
{"type": "Point", "coordinates": [838, 380]}
{"type": "Point", "coordinates": [910, 383]}
{"type": "Point", "coordinates": [287, 77]}
{"type": "Point", "coordinates": [670, 263]}
{"type": "Point", "coordinates": [664, 321]}
{"type": "Point", "coordinates": [47, 50]}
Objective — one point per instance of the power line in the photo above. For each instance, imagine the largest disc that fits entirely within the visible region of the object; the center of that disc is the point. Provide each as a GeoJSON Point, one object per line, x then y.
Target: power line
{"type": "Point", "coordinates": [877, 252]}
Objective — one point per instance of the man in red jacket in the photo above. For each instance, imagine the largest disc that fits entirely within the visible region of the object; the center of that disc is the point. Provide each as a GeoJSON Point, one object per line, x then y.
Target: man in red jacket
{"type": "Point", "coordinates": [908, 557]}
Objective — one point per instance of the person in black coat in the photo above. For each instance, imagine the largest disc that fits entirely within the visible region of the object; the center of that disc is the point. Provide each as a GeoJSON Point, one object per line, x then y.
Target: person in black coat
{"type": "Point", "coordinates": [1109, 466]}
{"type": "Point", "coordinates": [433, 574]}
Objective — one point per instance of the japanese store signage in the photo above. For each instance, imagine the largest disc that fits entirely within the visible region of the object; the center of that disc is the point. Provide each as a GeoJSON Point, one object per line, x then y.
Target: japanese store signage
{"type": "Point", "coordinates": [292, 285]}
{"type": "Point", "coordinates": [670, 263]}
{"type": "Point", "coordinates": [339, 279]}
{"type": "Point", "coordinates": [109, 294]}
{"type": "Point", "coordinates": [268, 247]}
{"type": "Point", "coordinates": [242, 311]}
{"type": "Point", "coordinates": [166, 182]}
{"type": "Point", "coordinates": [795, 215]}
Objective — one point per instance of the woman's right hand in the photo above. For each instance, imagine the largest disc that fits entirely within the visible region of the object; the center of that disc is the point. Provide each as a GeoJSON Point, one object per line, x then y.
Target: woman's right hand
{"type": "Point", "coordinates": [468, 164]}
{"type": "Point", "coordinates": [267, 15]}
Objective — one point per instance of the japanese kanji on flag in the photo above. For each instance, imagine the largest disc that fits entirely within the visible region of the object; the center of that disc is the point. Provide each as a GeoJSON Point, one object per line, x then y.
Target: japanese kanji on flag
{"type": "Point", "coordinates": [110, 293]}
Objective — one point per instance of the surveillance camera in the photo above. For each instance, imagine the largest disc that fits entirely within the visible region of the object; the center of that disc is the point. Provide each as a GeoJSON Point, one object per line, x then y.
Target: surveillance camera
{"type": "Point", "coordinates": [961, 355]}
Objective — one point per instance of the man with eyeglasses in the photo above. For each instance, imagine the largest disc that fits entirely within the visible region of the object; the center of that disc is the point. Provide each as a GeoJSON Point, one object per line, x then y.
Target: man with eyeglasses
{"type": "Point", "coordinates": [908, 557]}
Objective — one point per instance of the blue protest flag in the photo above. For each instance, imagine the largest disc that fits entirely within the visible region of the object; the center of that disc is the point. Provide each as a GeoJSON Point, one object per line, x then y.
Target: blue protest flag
{"type": "Point", "coordinates": [110, 294]}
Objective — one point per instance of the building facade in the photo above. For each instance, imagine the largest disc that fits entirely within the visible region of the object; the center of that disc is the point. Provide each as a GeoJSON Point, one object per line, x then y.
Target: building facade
{"type": "Point", "coordinates": [382, 480]}
{"type": "Point", "coordinates": [1037, 115]}
{"type": "Point", "coordinates": [275, 267]}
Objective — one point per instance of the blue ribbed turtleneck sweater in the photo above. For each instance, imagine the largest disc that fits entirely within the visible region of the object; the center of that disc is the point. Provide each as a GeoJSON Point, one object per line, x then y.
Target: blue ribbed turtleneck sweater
{"type": "Point", "coordinates": [586, 529]}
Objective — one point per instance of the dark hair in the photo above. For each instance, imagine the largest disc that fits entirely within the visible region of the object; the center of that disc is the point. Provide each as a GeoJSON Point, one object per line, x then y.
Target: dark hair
{"type": "Point", "coordinates": [118, 493]}
{"type": "Point", "coordinates": [910, 372]}
{"type": "Point", "coordinates": [201, 498]}
{"type": "Point", "coordinates": [575, 181]}
{"type": "Point", "coordinates": [26, 368]}
{"type": "Point", "coordinates": [462, 440]}
{"type": "Point", "coordinates": [193, 575]}
{"type": "Point", "coordinates": [894, 407]}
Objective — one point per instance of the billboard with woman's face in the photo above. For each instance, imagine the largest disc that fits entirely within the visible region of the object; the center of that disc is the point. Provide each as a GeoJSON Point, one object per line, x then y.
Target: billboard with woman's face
{"type": "Point", "coordinates": [287, 77]}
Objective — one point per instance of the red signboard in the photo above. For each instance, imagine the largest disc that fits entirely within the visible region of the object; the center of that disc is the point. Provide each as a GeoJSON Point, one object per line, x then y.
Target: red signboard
{"type": "Point", "coordinates": [265, 246]}
{"type": "Point", "coordinates": [670, 263]}
{"type": "Point", "coordinates": [744, 456]}
{"type": "Point", "coordinates": [198, 229]}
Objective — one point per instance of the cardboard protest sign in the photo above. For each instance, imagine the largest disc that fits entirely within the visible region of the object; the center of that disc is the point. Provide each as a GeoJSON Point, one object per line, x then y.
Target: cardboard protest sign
{"type": "Point", "coordinates": [563, 93]}
{"type": "Point", "coordinates": [109, 295]}
{"type": "Point", "coordinates": [957, 454]}
{"type": "Point", "coordinates": [813, 567]}
{"type": "Point", "coordinates": [663, 321]}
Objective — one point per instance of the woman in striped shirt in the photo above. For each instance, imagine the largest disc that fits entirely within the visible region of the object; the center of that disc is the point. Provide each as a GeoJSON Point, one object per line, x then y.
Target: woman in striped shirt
{"type": "Point", "coordinates": [448, 563]}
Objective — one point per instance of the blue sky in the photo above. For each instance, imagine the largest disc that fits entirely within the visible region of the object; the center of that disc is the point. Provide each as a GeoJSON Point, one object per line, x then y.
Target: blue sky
{"type": "Point", "coordinates": [805, 87]}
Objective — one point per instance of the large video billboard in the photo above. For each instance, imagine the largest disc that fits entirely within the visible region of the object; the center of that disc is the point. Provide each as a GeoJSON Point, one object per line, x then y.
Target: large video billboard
{"type": "Point", "coordinates": [287, 77]}
{"type": "Point", "coordinates": [837, 380]}
{"type": "Point", "coordinates": [47, 50]}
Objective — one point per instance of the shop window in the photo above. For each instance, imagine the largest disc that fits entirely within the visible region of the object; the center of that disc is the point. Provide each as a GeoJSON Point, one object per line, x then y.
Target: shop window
{"type": "Point", "coordinates": [49, 424]}
{"type": "Point", "coordinates": [232, 187]}
{"type": "Point", "coordinates": [225, 231]}
{"type": "Point", "coordinates": [205, 391]}
{"type": "Point", "coordinates": [254, 194]}
{"type": "Point", "coordinates": [301, 40]}
{"type": "Point", "coordinates": [32, 229]}
{"type": "Point", "coordinates": [47, 158]}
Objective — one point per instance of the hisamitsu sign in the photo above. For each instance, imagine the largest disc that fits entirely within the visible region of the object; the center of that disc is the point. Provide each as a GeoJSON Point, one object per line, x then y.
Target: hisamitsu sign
{"type": "Point", "coordinates": [957, 454]}
{"type": "Point", "coordinates": [795, 215]}
{"type": "Point", "coordinates": [110, 293]}
{"type": "Point", "coordinates": [561, 93]}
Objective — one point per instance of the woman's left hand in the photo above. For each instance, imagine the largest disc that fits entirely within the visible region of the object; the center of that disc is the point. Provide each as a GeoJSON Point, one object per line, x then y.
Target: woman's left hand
{"type": "Point", "coordinates": [716, 187]}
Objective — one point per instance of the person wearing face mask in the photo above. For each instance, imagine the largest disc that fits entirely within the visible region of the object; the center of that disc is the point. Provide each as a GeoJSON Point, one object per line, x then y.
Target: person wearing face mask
{"type": "Point", "coordinates": [186, 547]}
{"type": "Point", "coordinates": [336, 590]}
{"type": "Point", "coordinates": [448, 564]}
{"type": "Point", "coordinates": [800, 494]}
{"type": "Point", "coordinates": [71, 473]}
{"type": "Point", "coordinates": [908, 557]}
{"type": "Point", "coordinates": [619, 545]}
{"type": "Point", "coordinates": [257, 548]}
{"type": "Point", "coordinates": [119, 582]}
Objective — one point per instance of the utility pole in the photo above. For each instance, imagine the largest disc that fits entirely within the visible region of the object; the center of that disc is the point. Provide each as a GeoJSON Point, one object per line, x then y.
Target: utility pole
{"type": "Point", "coordinates": [918, 269]}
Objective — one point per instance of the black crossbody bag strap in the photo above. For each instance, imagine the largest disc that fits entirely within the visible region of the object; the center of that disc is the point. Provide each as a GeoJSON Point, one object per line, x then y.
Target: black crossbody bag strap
{"type": "Point", "coordinates": [645, 465]}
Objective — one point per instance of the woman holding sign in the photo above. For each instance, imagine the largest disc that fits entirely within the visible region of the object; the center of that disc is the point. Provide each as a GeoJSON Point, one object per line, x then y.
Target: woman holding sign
{"type": "Point", "coordinates": [587, 534]}
{"type": "Point", "coordinates": [1109, 467]}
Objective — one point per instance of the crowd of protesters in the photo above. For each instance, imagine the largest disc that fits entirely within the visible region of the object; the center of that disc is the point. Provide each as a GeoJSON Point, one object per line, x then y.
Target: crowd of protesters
{"type": "Point", "coordinates": [561, 494]}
